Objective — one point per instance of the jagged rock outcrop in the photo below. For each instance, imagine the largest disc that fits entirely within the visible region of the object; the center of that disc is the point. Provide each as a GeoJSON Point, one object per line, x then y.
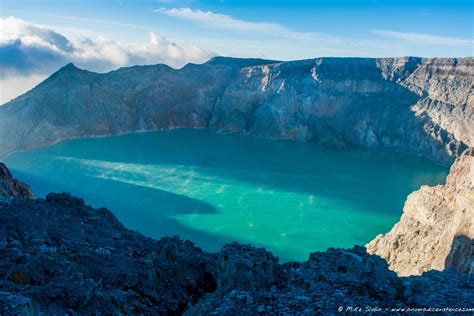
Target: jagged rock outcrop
{"type": "Point", "coordinates": [436, 230]}
{"type": "Point", "coordinates": [59, 256]}
{"type": "Point", "coordinates": [11, 188]}
{"type": "Point", "coordinates": [330, 282]}
{"type": "Point", "coordinates": [416, 105]}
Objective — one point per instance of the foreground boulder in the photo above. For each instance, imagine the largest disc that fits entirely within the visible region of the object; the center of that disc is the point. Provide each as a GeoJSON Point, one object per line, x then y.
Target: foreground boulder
{"type": "Point", "coordinates": [436, 230]}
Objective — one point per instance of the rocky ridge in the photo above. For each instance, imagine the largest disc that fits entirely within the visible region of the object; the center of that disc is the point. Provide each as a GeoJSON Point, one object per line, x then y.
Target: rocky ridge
{"type": "Point", "coordinates": [60, 256]}
{"type": "Point", "coordinates": [436, 230]}
{"type": "Point", "coordinates": [423, 106]}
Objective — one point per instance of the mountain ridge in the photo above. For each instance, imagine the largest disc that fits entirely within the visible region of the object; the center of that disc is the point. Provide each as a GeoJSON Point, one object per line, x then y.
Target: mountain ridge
{"type": "Point", "coordinates": [422, 106]}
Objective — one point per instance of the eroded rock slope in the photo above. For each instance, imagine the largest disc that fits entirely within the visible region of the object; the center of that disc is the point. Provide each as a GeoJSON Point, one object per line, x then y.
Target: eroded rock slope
{"type": "Point", "coordinates": [436, 230]}
{"type": "Point", "coordinates": [416, 105]}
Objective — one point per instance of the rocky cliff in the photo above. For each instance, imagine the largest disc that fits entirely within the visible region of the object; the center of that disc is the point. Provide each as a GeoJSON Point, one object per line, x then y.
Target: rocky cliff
{"type": "Point", "coordinates": [12, 188]}
{"type": "Point", "coordinates": [59, 256]}
{"type": "Point", "coordinates": [415, 105]}
{"type": "Point", "coordinates": [436, 230]}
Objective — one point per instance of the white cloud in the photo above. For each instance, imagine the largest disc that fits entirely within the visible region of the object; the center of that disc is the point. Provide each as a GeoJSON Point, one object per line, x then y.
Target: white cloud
{"type": "Point", "coordinates": [33, 51]}
{"type": "Point", "coordinates": [227, 22]}
{"type": "Point", "coordinates": [425, 38]}
{"type": "Point", "coordinates": [26, 45]}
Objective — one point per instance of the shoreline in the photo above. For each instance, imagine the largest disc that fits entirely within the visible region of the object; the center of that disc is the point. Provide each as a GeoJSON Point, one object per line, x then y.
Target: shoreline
{"type": "Point", "coordinates": [333, 148]}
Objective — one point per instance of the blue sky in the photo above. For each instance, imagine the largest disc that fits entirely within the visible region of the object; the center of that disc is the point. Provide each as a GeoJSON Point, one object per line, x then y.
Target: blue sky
{"type": "Point", "coordinates": [362, 24]}
{"type": "Point", "coordinates": [39, 36]}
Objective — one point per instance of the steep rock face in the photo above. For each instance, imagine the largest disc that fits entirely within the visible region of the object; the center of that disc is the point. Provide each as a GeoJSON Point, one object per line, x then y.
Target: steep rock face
{"type": "Point", "coordinates": [447, 98]}
{"type": "Point", "coordinates": [76, 103]}
{"type": "Point", "coordinates": [11, 188]}
{"type": "Point", "coordinates": [436, 230]}
{"type": "Point", "coordinates": [420, 106]}
{"type": "Point", "coordinates": [356, 102]}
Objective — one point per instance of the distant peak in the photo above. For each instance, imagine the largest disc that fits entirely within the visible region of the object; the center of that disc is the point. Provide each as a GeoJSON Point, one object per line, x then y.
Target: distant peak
{"type": "Point", "coordinates": [69, 67]}
{"type": "Point", "coordinates": [70, 70]}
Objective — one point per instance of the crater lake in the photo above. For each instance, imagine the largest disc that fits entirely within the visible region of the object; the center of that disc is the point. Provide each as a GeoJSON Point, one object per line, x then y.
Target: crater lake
{"type": "Point", "coordinates": [292, 198]}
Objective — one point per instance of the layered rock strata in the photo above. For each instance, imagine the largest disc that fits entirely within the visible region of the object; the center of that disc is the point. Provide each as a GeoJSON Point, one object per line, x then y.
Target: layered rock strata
{"type": "Point", "coordinates": [436, 230]}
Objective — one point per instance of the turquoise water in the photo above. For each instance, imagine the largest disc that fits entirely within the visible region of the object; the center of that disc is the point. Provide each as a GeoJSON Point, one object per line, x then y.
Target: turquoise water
{"type": "Point", "coordinates": [292, 198]}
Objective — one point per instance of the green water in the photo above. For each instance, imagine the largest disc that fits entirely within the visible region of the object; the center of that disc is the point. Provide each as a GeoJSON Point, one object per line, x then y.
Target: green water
{"type": "Point", "coordinates": [292, 198]}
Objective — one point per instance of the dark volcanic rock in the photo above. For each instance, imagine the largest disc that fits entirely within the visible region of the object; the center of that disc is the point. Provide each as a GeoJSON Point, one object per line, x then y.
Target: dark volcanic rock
{"type": "Point", "coordinates": [349, 279]}
{"type": "Point", "coordinates": [66, 256]}
{"type": "Point", "coordinates": [246, 266]}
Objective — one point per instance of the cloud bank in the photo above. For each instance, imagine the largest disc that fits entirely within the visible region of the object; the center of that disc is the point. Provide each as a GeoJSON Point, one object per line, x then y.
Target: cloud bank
{"type": "Point", "coordinates": [32, 51]}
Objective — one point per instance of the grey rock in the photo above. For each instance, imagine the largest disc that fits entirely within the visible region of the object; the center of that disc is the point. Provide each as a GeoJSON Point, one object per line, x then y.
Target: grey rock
{"type": "Point", "coordinates": [422, 106]}
{"type": "Point", "coordinates": [47, 249]}
{"type": "Point", "coordinates": [331, 279]}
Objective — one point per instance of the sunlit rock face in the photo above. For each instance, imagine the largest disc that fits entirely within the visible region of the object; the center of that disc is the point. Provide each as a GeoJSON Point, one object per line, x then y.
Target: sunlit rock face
{"type": "Point", "coordinates": [436, 230]}
{"type": "Point", "coordinates": [420, 106]}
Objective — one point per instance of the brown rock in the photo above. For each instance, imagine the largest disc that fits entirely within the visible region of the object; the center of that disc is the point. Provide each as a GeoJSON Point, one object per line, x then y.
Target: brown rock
{"type": "Point", "coordinates": [436, 229]}
{"type": "Point", "coordinates": [11, 188]}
